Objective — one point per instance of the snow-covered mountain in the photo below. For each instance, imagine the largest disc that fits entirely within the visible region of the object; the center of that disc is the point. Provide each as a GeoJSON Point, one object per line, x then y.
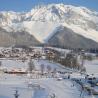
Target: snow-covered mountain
{"type": "Point", "coordinates": [65, 37]}
{"type": "Point", "coordinates": [43, 21]}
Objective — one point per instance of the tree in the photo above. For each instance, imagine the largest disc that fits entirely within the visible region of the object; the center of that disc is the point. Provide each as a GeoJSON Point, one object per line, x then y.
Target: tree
{"type": "Point", "coordinates": [49, 69]}
{"type": "Point", "coordinates": [54, 71]}
{"type": "Point", "coordinates": [31, 66]}
{"type": "Point", "coordinates": [70, 60]}
{"type": "Point", "coordinates": [88, 57]}
{"type": "Point", "coordinates": [75, 62]}
{"type": "Point", "coordinates": [0, 63]}
{"type": "Point", "coordinates": [42, 68]}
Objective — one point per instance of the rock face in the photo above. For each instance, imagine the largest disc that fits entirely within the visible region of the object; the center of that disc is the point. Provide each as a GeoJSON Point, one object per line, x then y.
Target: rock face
{"type": "Point", "coordinates": [16, 38]}
{"type": "Point", "coordinates": [65, 37]}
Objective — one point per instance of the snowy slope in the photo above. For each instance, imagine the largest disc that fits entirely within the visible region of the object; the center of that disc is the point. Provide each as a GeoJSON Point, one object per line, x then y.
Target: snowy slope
{"type": "Point", "coordinates": [42, 21]}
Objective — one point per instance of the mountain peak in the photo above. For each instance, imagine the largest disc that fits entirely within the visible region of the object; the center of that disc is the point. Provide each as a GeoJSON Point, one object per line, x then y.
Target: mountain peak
{"type": "Point", "coordinates": [42, 20]}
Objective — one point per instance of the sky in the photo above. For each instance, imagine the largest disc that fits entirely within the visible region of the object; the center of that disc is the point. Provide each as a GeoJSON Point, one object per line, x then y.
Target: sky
{"type": "Point", "coordinates": [26, 5]}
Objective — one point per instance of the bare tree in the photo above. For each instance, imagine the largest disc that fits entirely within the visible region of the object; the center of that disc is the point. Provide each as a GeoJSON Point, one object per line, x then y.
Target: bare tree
{"type": "Point", "coordinates": [31, 66]}
{"type": "Point", "coordinates": [42, 68]}
{"type": "Point", "coordinates": [54, 71]}
{"type": "Point", "coordinates": [0, 63]}
{"type": "Point", "coordinates": [49, 69]}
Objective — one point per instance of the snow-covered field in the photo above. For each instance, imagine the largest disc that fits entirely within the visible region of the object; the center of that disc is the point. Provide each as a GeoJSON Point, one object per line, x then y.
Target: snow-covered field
{"type": "Point", "coordinates": [92, 67]}
{"type": "Point", "coordinates": [40, 87]}
{"type": "Point", "coordinates": [61, 89]}
{"type": "Point", "coordinates": [48, 86]}
{"type": "Point", "coordinates": [12, 64]}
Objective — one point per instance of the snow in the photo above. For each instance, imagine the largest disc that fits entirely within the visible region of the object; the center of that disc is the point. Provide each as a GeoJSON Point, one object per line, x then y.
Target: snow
{"type": "Point", "coordinates": [92, 67]}
{"type": "Point", "coordinates": [41, 86]}
{"type": "Point", "coordinates": [42, 21]}
{"type": "Point", "coordinates": [40, 92]}
{"type": "Point", "coordinates": [16, 64]}
{"type": "Point", "coordinates": [48, 85]}
{"type": "Point", "coordinates": [51, 86]}
{"type": "Point", "coordinates": [40, 30]}
{"type": "Point", "coordinates": [90, 34]}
